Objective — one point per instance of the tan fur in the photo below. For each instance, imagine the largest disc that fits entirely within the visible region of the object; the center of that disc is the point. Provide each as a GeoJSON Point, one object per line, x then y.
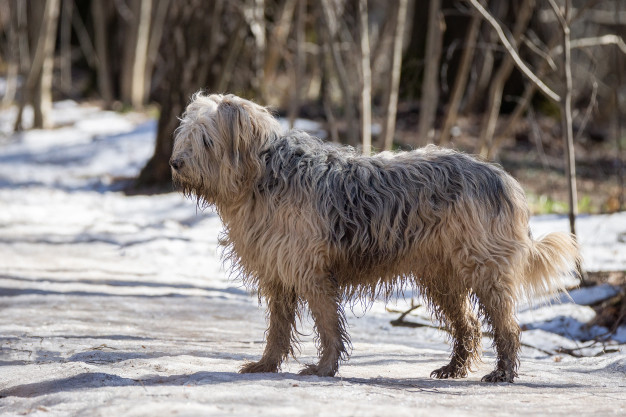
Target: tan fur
{"type": "Point", "coordinates": [311, 223]}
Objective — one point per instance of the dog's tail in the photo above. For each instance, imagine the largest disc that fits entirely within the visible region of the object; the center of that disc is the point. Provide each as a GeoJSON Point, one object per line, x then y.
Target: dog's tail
{"type": "Point", "coordinates": [552, 262]}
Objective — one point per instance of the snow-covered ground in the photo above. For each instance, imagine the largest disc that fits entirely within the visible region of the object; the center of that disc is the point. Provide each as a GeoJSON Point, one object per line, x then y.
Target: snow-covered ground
{"type": "Point", "coordinates": [114, 305]}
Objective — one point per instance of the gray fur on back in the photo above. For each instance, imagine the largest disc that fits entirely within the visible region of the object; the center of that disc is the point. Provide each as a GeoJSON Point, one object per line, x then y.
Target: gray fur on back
{"type": "Point", "coordinates": [367, 201]}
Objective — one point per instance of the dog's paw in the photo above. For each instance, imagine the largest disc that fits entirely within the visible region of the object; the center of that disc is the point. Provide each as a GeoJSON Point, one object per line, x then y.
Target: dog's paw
{"type": "Point", "coordinates": [499, 375]}
{"type": "Point", "coordinates": [316, 370]}
{"type": "Point", "coordinates": [256, 367]}
{"type": "Point", "coordinates": [449, 371]}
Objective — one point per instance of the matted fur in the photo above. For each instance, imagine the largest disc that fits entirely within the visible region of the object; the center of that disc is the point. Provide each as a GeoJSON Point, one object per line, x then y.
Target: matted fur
{"type": "Point", "coordinates": [311, 223]}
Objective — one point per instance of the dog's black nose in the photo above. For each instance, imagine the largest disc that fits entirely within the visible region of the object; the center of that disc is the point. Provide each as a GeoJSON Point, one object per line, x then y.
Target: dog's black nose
{"type": "Point", "coordinates": [176, 163]}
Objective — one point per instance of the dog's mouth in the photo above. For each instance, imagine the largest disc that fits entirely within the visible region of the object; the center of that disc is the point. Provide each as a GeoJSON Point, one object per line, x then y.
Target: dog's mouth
{"type": "Point", "coordinates": [192, 190]}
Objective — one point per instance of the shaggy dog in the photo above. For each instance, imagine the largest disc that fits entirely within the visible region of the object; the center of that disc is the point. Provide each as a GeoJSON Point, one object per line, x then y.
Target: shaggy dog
{"type": "Point", "coordinates": [311, 223]}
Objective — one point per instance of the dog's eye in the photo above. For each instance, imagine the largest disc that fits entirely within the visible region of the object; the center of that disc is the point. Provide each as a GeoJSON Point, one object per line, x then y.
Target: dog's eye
{"type": "Point", "coordinates": [207, 142]}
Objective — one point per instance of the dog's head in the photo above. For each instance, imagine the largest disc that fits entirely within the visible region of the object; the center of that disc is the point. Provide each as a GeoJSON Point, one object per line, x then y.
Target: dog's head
{"type": "Point", "coordinates": [216, 154]}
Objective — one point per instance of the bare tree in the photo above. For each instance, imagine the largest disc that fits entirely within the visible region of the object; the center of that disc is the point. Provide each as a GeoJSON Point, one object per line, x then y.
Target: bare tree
{"type": "Point", "coordinates": [100, 14]}
{"type": "Point", "coordinates": [138, 92]}
{"type": "Point", "coordinates": [366, 80]}
{"type": "Point", "coordinates": [188, 68]}
{"type": "Point", "coordinates": [389, 126]}
{"type": "Point", "coordinates": [331, 26]}
{"type": "Point", "coordinates": [156, 34]}
{"type": "Point", "coordinates": [130, 17]}
{"type": "Point", "coordinates": [461, 79]}
{"type": "Point", "coordinates": [298, 67]}
{"type": "Point", "coordinates": [38, 85]}
{"type": "Point", "coordinates": [13, 52]}
{"type": "Point", "coordinates": [65, 63]}
{"type": "Point", "coordinates": [566, 111]}
{"type": "Point", "coordinates": [430, 84]}
{"type": "Point", "coordinates": [255, 16]}
{"type": "Point", "coordinates": [278, 37]}
{"type": "Point", "coordinates": [485, 141]}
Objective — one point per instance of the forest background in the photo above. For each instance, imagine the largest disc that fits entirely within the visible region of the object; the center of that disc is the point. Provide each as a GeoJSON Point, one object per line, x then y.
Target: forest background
{"type": "Point", "coordinates": [489, 77]}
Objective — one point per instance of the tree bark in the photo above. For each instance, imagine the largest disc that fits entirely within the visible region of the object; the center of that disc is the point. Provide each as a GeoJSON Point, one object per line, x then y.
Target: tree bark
{"type": "Point", "coordinates": [298, 67]}
{"type": "Point", "coordinates": [130, 17]}
{"type": "Point", "coordinates": [13, 56]}
{"type": "Point", "coordinates": [485, 142]}
{"type": "Point", "coordinates": [460, 81]}
{"type": "Point", "coordinates": [38, 85]}
{"type": "Point", "coordinates": [138, 85]}
{"type": "Point", "coordinates": [156, 34]}
{"type": "Point", "coordinates": [100, 17]}
{"type": "Point", "coordinates": [328, 37]}
{"type": "Point", "coordinates": [389, 127]}
{"type": "Point", "coordinates": [67, 9]}
{"type": "Point", "coordinates": [430, 84]}
{"type": "Point", "coordinates": [366, 80]}
{"type": "Point", "coordinates": [185, 43]}
{"type": "Point", "coordinates": [566, 117]}
{"type": "Point", "coordinates": [257, 27]}
{"type": "Point", "coordinates": [278, 38]}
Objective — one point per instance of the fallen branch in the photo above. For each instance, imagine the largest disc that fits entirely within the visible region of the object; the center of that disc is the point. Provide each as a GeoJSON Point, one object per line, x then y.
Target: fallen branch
{"type": "Point", "coordinates": [401, 322]}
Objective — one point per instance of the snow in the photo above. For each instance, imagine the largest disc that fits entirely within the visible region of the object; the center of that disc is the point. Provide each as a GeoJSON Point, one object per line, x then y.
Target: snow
{"type": "Point", "coordinates": [118, 305]}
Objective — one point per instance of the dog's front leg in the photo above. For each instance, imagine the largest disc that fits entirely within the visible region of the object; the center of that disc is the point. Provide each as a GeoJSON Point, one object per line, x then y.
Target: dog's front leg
{"type": "Point", "coordinates": [326, 309]}
{"type": "Point", "coordinates": [282, 304]}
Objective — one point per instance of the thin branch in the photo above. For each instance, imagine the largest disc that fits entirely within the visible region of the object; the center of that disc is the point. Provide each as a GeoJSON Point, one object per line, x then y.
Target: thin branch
{"type": "Point", "coordinates": [514, 55]}
{"type": "Point", "coordinates": [560, 14]}
{"type": "Point", "coordinates": [537, 50]}
{"type": "Point", "coordinates": [594, 41]}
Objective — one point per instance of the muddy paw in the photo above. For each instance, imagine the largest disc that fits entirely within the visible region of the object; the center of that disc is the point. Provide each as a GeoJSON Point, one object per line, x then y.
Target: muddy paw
{"type": "Point", "coordinates": [448, 371]}
{"type": "Point", "coordinates": [316, 370]}
{"type": "Point", "coordinates": [256, 367]}
{"type": "Point", "coordinates": [499, 375]}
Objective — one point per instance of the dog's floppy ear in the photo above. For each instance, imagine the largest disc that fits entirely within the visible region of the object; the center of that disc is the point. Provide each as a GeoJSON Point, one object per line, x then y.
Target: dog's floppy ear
{"type": "Point", "coordinates": [234, 124]}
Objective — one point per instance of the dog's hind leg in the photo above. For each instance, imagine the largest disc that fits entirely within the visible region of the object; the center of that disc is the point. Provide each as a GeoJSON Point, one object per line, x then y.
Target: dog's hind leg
{"type": "Point", "coordinates": [324, 304]}
{"type": "Point", "coordinates": [282, 306]}
{"type": "Point", "coordinates": [465, 330]}
{"type": "Point", "coordinates": [496, 302]}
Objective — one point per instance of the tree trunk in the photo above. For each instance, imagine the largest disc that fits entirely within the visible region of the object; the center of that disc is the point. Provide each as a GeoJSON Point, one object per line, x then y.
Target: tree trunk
{"type": "Point", "coordinates": [328, 37]}
{"type": "Point", "coordinates": [156, 35]}
{"type": "Point", "coordinates": [138, 86]}
{"type": "Point", "coordinates": [298, 67]}
{"type": "Point", "coordinates": [485, 144]}
{"type": "Point", "coordinates": [67, 9]}
{"type": "Point", "coordinates": [257, 27]}
{"type": "Point", "coordinates": [100, 16]}
{"type": "Point", "coordinates": [185, 43]}
{"type": "Point", "coordinates": [477, 89]}
{"type": "Point", "coordinates": [460, 81]}
{"type": "Point", "coordinates": [43, 91]}
{"type": "Point", "coordinates": [389, 127]}
{"type": "Point", "coordinates": [366, 80]}
{"type": "Point", "coordinates": [566, 116]}
{"type": "Point", "coordinates": [38, 85]}
{"type": "Point", "coordinates": [13, 57]}
{"type": "Point", "coordinates": [129, 53]}
{"type": "Point", "coordinates": [524, 100]}
{"type": "Point", "coordinates": [430, 84]}
{"type": "Point", "coordinates": [278, 38]}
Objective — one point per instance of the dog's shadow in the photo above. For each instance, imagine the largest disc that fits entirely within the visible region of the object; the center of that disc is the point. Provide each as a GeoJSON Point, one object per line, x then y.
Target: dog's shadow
{"type": "Point", "coordinates": [94, 380]}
